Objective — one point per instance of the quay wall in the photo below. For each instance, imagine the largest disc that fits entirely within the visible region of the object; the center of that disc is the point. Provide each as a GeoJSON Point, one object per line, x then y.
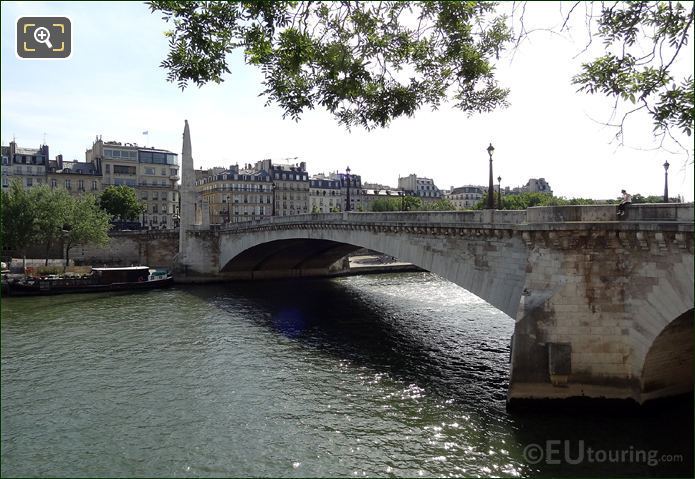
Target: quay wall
{"type": "Point", "coordinates": [154, 248]}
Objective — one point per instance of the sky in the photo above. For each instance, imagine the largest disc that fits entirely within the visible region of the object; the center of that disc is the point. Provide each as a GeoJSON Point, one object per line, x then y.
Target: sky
{"type": "Point", "coordinates": [113, 86]}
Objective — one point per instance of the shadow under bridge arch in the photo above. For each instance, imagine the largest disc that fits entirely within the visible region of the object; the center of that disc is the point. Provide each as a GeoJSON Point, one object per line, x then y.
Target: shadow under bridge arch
{"type": "Point", "coordinates": [491, 268]}
{"type": "Point", "coordinates": [287, 258]}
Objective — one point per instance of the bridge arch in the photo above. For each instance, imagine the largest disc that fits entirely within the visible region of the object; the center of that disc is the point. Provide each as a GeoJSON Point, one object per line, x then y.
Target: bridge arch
{"type": "Point", "coordinates": [490, 266]}
{"type": "Point", "coordinates": [668, 365]}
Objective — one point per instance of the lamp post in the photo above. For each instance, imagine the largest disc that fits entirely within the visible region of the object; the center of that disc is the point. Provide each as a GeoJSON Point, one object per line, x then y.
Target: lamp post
{"type": "Point", "coordinates": [274, 187]}
{"type": "Point", "coordinates": [499, 192]}
{"type": "Point", "coordinates": [347, 180]}
{"type": "Point", "coordinates": [666, 165]}
{"type": "Point", "coordinates": [491, 187]}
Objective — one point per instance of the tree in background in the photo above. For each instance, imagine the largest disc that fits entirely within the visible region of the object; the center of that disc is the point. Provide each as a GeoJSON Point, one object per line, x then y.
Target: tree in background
{"type": "Point", "coordinates": [18, 232]}
{"type": "Point", "coordinates": [439, 205]}
{"type": "Point", "coordinates": [44, 216]}
{"type": "Point", "coordinates": [51, 208]}
{"type": "Point", "coordinates": [523, 201]}
{"type": "Point", "coordinates": [121, 202]}
{"type": "Point", "coordinates": [85, 223]}
{"type": "Point", "coordinates": [401, 203]}
{"type": "Point", "coordinates": [386, 204]}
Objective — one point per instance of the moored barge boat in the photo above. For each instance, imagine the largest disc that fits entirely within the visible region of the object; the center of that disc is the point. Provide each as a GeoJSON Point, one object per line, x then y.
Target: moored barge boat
{"type": "Point", "coordinates": [99, 280]}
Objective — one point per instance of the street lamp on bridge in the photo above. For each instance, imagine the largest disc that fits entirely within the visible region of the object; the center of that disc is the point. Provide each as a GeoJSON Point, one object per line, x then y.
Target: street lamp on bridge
{"type": "Point", "coordinates": [491, 186]}
{"type": "Point", "coordinates": [499, 192]}
{"type": "Point", "coordinates": [274, 204]}
{"type": "Point", "coordinates": [347, 181]}
{"type": "Point", "coordinates": [666, 165]}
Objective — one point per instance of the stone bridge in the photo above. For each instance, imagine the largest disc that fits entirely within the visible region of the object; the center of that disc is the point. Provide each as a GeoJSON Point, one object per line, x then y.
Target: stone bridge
{"type": "Point", "coordinates": [603, 308]}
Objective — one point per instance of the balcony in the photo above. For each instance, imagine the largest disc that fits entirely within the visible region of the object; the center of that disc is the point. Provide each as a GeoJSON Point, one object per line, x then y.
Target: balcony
{"type": "Point", "coordinates": [174, 178]}
{"type": "Point", "coordinates": [158, 185]}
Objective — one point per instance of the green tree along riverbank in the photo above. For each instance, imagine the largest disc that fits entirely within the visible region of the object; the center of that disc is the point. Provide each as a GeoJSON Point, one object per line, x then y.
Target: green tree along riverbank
{"type": "Point", "coordinates": [44, 216]}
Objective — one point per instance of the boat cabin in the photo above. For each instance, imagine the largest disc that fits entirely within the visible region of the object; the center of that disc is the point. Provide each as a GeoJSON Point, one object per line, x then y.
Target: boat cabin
{"type": "Point", "coordinates": [131, 274]}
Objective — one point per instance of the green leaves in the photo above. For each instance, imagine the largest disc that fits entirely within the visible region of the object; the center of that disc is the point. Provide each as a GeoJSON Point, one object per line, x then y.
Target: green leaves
{"type": "Point", "coordinates": [121, 202]}
{"type": "Point", "coordinates": [87, 223]}
{"type": "Point", "coordinates": [41, 215]}
{"type": "Point", "coordinates": [649, 37]}
{"type": "Point", "coordinates": [17, 217]}
{"type": "Point", "coordinates": [365, 62]}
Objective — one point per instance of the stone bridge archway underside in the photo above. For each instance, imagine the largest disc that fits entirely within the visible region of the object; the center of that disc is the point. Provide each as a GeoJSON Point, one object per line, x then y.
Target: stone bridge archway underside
{"type": "Point", "coordinates": [491, 267]}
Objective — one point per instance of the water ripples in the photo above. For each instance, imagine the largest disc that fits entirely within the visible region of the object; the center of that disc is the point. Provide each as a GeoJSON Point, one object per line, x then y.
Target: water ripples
{"type": "Point", "coordinates": [389, 375]}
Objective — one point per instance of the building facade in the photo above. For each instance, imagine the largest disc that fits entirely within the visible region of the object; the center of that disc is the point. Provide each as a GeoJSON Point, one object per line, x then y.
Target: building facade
{"type": "Point", "coordinates": [423, 188]}
{"type": "Point", "coordinates": [28, 165]}
{"type": "Point", "coordinates": [290, 184]}
{"type": "Point", "coordinates": [325, 195]}
{"type": "Point", "coordinates": [73, 176]}
{"type": "Point", "coordinates": [153, 173]}
{"type": "Point", "coordinates": [235, 194]}
{"type": "Point", "coordinates": [466, 197]}
{"type": "Point", "coordinates": [533, 185]}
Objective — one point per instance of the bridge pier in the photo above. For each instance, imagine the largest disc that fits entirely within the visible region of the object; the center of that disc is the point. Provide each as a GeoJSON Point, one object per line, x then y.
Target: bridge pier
{"type": "Point", "coordinates": [604, 314]}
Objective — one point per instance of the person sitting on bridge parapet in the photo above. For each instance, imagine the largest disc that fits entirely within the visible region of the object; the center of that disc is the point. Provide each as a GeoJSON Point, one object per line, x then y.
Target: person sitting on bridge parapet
{"type": "Point", "coordinates": [627, 199]}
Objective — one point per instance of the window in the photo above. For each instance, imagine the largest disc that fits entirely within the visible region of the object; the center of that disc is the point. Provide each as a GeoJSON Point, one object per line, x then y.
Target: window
{"type": "Point", "coordinates": [149, 171]}
{"type": "Point", "coordinates": [107, 169]}
{"type": "Point", "coordinates": [54, 183]}
{"type": "Point", "coordinates": [143, 195]}
{"type": "Point", "coordinates": [174, 171]}
{"type": "Point", "coordinates": [155, 195]}
{"type": "Point", "coordinates": [5, 181]}
{"type": "Point", "coordinates": [124, 170]}
{"type": "Point", "coordinates": [94, 185]}
{"type": "Point", "coordinates": [68, 186]}
{"type": "Point", "coordinates": [154, 210]}
{"type": "Point", "coordinates": [29, 182]}
{"type": "Point", "coordinates": [80, 185]}
{"type": "Point", "coordinates": [18, 170]}
{"type": "Point", "coordinates": [116, 153]}
{"type": "Point", "coordinates": [29, 171]}
{"type": "Point", "coordinates": [164, 171]}
{"type": "Point", "coordinates": [5, 160]}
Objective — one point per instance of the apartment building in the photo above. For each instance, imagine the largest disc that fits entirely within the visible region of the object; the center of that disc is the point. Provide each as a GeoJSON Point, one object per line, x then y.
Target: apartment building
{"type": "Point", "coordinates": [153, 173]}
{"type": "Point", "coordinates": [466, 197]}
{"type": "Point", "coordinates": [236, 194]}
{"type": "Point", "coordinates": [28, 165]}
{"type": "Point", "coordinates": [325, 195]}
{"type": "Point", "coordinates": [423, 188]}
{"type": "Point", "coordinates": [74, 176]}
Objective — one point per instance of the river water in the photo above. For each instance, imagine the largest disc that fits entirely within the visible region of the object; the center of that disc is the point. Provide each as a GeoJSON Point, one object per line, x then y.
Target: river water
{"type": "Point", "coordinates": [380, 376]}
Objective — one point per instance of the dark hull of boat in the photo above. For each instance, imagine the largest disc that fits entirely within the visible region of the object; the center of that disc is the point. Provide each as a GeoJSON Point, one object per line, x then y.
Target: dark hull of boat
{"type": "Point", "coordinates": [48, 287]}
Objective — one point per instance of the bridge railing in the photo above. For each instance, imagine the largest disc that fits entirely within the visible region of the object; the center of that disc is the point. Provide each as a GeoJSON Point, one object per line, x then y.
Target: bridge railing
{"type": "Point", "coordinates": [646, 212]}
{"type": "Point", "coordinates": [640, 213]}
{"type": "Point", "coordinates": [489, 217]}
